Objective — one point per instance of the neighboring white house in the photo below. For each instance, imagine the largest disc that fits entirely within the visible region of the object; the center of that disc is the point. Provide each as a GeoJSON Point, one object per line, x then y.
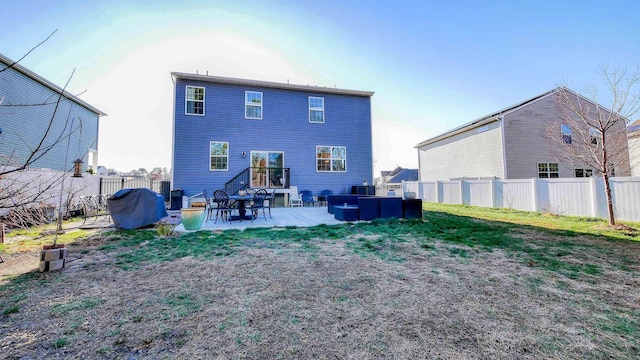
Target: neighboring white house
{"type": "Point", "coordinates": [633, 135]}
{"type": "Point", "coordinates": [507, 144]}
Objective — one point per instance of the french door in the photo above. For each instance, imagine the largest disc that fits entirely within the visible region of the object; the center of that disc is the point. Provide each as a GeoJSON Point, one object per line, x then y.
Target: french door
{"type": "Point", "coordinates": [267, 169]}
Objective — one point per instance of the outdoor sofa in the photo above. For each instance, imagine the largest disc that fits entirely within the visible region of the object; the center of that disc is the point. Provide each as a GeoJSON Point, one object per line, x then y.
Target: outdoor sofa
{"type": "Point", "coordinates": [369, 207]}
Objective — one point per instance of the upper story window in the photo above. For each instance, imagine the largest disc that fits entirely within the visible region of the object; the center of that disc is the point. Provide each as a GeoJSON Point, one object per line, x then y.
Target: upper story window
{"type": "Point", "coordinates": [316, 109]}
{"type": "Point", "coordinates": [194, 101]}
{"type": "Point", "coordinates": [566, 132]}
{"type": "Point", "coordinates": [331, 158]}
{"type": "Point", "coordinates": [548, 170]}
{"type": "Point", "coordinates": [252, 105]}
{"type": "Point", "coordinates": [219, 154]}
{"type": "Point", "coordinates": [593, 136]}
{"type": "Point", "coordinates": [584, 172]}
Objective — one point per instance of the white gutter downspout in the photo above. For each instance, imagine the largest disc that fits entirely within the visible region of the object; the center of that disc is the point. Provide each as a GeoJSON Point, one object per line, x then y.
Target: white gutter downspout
{"type": "Point", "coordinates": [504, 152]}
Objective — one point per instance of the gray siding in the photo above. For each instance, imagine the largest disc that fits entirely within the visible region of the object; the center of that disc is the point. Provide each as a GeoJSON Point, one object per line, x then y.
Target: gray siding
{"type": "Point", "coordinates": [524, 140]}
{"type": "Point", "coordinates": [634, 153]}
{"type": "Point", "coordinates": [23, 127]}
{"type": "Point", "coordinates": [469, 154]}
{"type": "Point", "coordinates": [525, 145]}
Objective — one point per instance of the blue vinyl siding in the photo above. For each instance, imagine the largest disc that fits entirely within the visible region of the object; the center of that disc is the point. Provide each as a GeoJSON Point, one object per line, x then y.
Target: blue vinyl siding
{"type": "Point", "coordinates": [24, 126]}
{"type": "Point", "coordinates": [284, 127]}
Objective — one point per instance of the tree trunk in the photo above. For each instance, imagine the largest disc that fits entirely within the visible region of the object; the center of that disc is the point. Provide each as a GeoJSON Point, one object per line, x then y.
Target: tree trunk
{"type": "Point", "coordinates": [607, 191]}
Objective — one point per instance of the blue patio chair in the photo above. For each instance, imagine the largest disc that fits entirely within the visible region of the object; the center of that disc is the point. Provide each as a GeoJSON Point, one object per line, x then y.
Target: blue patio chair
{"type": "Point", "coordinates": [322, 198]}
{"type": "Point", "coordinates": [307, 197]}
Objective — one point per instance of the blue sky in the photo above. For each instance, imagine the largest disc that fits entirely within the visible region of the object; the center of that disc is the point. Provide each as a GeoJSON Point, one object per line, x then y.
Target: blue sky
{"type": "Point", "coordinates": [434, 65]}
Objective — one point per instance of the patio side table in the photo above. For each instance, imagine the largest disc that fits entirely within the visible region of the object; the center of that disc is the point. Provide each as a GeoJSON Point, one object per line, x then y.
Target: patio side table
{"type": "Point", "coordinates": [412, 208]}
{"type": "Point", "coordinates": [345, 213]}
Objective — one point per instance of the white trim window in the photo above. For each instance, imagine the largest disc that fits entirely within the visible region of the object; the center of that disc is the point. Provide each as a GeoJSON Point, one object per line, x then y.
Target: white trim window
{"type": "Point", "coordinates": [548, 170]}
{"type": "Point", "coordinates": [253, 105]}
{"type": "Point", "coordinates": [565, 131]}
{"type": "Point", "coordinates": [593, 136]}
{"type": "Point", "coordinates": [316, 110]}
{"type": "Point", "coordinates": [194, 101]}
{"type": "Point", "coordinates": [219, 156]}
{"type": "Point", "coordinates": [584, 173]}
{"type": "Point", "coordinates": [331, 158]}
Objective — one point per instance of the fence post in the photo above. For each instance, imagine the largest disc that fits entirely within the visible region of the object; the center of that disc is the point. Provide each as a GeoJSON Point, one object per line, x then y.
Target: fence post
{"type": "Point", "coordinates": [492, 192]}
{"type": "Point", "coordinates": [534, 193]}
{"type": "Point", "coordinates": [462, 192]}
{"type": "Point", "coordinates": [437, 192]}
{"type": "Point", "coordinates": [594, 196]}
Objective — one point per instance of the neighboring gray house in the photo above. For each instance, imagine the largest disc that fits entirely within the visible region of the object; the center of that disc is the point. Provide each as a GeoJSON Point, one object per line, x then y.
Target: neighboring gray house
{"type": "Point", "coordinates": [507, 144]}
{"type": "Point", "coordinates": [392, 180]}
{"type": "Point", "coordinates": [27, 104]}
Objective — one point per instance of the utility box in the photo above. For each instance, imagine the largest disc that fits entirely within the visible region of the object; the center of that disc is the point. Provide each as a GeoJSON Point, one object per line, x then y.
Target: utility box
{"type": "Point", "coordinates": [176, 199]}
{"type": "Point", "coordinates": [165, 190]}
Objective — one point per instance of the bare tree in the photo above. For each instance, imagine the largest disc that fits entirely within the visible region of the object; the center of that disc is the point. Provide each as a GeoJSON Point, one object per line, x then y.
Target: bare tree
{"type": "Point", "coordinates": [589, 135]}
{"type": "Point", "coordinates": [23, 195]}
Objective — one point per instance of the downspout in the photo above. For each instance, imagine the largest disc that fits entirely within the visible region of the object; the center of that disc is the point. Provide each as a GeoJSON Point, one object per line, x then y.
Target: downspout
{"type": "Point", "coordinates": [504, 152]}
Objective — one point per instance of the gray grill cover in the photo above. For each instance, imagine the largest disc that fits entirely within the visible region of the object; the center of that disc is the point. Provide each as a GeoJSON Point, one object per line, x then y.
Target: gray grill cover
{"type": "Point", "coordinates": [136, 208]}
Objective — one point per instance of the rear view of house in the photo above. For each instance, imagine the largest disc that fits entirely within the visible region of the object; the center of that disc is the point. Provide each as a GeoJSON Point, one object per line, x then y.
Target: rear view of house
{"type": "Point", "coordinates": [233, 133]}
{"type": "Point", "coordinates": [507, 144]}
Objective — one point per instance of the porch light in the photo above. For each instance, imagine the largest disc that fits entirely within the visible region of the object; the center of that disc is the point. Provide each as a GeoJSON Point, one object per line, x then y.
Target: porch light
{"type": "Point", "coordinates": [77, 168]}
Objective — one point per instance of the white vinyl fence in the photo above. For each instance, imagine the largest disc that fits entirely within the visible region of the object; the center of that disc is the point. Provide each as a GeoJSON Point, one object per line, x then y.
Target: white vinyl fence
{"type": "Point", "coordinates": [567, 196]}
{"type": "Point", "coordinates": [48, 183]}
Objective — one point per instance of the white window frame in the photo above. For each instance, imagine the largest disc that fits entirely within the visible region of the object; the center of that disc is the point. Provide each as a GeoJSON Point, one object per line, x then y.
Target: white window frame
{"type": "Point", "coordinates": [331, 159]}
{"type": "Point", "coordinates": [218, 156]}
{"type": "Point", "coordinates": [593, 136]}
{"type": "Point", "coordinates": [585, 173]}
{"type": "Point", "coordinates": [247, 104]}
{"type": "Point", "coordinates": [187, 100]}
{"type": "Point", "coordinates": [548, 171]}
{"type": "Point", "coordinates": [317, 109]}
{"type": "Point", "coordinates": [565, 130]}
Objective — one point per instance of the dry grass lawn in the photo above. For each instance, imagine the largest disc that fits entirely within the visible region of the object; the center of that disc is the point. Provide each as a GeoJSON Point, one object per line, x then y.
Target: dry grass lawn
{"type": "Point", "coordinates": [401, 291]}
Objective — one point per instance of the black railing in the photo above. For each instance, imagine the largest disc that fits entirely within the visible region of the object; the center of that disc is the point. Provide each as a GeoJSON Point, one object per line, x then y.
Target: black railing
{"type": "Point", "coordinates": [259, 177]}
{"type": "Point", "coordinates": [111, 185]}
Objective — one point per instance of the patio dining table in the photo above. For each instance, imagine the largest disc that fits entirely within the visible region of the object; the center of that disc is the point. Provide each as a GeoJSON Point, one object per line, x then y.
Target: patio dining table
{"type": "Point", "coordinates": [242, 200]}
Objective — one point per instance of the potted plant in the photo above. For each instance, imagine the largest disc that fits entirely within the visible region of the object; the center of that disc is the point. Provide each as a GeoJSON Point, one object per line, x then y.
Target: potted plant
{"type": "Point", "coordinates": [192, 217]}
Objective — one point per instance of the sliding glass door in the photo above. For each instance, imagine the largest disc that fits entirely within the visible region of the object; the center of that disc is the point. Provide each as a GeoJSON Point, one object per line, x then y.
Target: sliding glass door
{"type": "Point", "coordinates": [267, 169]}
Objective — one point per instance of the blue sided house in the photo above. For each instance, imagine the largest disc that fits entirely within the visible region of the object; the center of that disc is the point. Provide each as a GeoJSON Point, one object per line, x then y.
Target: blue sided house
{"type": "Point", "coordinates": [43, 124]}
{"type": "Point", "coordinates": [235, 134]}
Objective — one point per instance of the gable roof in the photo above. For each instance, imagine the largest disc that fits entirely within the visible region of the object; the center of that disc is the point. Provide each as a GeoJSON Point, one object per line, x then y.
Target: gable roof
{"type": "Point", "coordinates": [404, 175]}
{"type": "Point", "coordinates": [493, 116]}
{"type": "Point", "coordinates": [393, 172]}
{"type": "Point", "coordinates": [55, 88]}
{"type": "Point", "coordinates": [268, 84]}
{"type": "Point", "coordinates": [634, 127]}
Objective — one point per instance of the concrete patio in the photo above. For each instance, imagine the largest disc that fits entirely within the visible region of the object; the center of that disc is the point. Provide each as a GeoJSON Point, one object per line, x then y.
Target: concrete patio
{"type": "Point", "coordinates": [282, 216]}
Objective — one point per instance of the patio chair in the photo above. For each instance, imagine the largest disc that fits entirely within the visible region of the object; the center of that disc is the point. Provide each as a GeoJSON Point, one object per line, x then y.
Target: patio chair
{"type": "Point", "coordinates": [208, 204]}
{"type": "Point", "coordinates": [269, 201]}
{"type": "Point", "coordinates": [258, 203]}
{"type": "Point", "coordinates": [225, 206]}
{"type": "Point", "coordinates": [322, 198]}
{"type": "Point", "coordinates": [295, 198]}
{"type": "Point", "coordinates": [308, 198]}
